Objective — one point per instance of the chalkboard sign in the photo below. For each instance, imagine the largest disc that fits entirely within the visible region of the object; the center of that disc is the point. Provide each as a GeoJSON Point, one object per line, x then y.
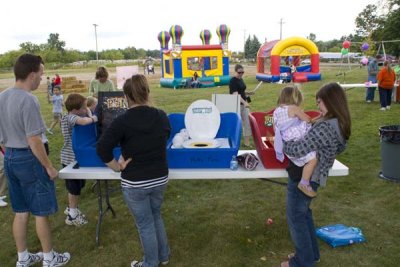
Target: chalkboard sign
{"type": "Point", "coordinates": [110, 105]}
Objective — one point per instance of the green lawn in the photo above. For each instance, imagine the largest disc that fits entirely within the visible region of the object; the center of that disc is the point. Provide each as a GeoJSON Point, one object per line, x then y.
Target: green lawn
{"type": "Point", "coordinates": [222, 222]}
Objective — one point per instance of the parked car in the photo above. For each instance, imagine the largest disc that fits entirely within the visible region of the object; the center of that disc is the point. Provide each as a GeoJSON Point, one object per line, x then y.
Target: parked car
{"type": "Point", "coordinates": [306, 61]}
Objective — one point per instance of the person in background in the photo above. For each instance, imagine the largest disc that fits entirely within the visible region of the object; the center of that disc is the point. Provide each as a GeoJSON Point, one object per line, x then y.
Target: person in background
{"type": "Point", "coordinates": [386, 78]}
{"type": "Point", "coordinates": [57, 100]}
{"type": "Point", "coordinates": [328, 137]}
{"type": "Point", "coordinates": [372, 73]}
{"type": "Point", "coordinates": [237, 86]}
{"type": "Point", "coordinates": [91, 104]}
{"type": "Point", "coordinates": [49, 89]}
{"type": "Point", "coordinates": [21, 133]}
{"type": "Point", "coordinates": [77, 111]}
{"type": "Point", "coordinates": [101, 83]}
{"type": "Point", "coordinates": [142, 132]}
{"type": "Point", "coordinates": [195, 83]}
{"type": "Point", "coordinates": [3, 181]}
{"type": "Point", "coordinates": [57, 80]}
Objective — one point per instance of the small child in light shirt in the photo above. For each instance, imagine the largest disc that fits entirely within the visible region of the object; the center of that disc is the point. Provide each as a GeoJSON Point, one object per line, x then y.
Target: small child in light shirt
{"type": "Point", "coordinates": [57, 100]}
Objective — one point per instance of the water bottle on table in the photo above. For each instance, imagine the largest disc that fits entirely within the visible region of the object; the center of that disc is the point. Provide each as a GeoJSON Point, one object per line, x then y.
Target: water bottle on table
{"type": "Point", "coordinates": [234, 163]}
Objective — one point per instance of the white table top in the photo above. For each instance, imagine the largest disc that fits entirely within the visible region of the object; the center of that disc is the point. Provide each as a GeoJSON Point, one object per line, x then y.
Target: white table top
{"type": "Point", "coordinates": [104, 173]}
{"type": "Point", "coordinates": [352, 85]}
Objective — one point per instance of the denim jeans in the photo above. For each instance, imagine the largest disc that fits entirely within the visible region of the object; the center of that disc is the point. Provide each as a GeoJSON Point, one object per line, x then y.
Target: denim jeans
{"type": "Point", "coordinates": [385, 96]}
{"type": "Point", "coordinates": [370, 92]}
{"type": "Point", "coordinates": [301, 226]}
{"type": "Point", "coordinates": [145, 205]}
{"type": "Point", "coordinates": [29, 185]}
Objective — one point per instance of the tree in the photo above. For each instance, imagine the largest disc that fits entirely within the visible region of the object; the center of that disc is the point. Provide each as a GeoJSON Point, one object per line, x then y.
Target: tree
{"type": "Point", "coordinates": [312, 37]}
{"type": "Point", "coordinates": [368, 21]}
{"type": "Point", "coordinates": [254, 47]}
{"type": "Point", "coordinates": [247, 47]}
{"type": "Point", "coordinates": [390, 31]}
{"type": "Point", "coordinates": [7, 59]}
{"type": "Point", "coordinates": [251, 47]}
{"type": "Point", "coordinates": [29, 47]}
{"type": "Point", "coordinates": [55, 43]}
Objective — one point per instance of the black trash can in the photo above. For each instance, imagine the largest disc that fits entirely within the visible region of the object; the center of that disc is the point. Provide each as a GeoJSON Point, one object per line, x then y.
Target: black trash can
{"type": "Point", "coordinates": [390, 152]}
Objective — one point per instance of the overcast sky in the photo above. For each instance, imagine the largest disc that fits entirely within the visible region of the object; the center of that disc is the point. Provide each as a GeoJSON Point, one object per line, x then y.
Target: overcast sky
{"type": "Point", "coordinates": [137, 23]}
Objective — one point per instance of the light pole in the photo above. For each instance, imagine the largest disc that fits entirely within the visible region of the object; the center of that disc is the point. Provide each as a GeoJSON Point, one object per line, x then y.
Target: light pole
{"type": "Point", "coordinates": [95, 35]}
{"type": "Point", "coordinates": [281, 22]}
{"type": "Point", "coordinates": [244, 44]}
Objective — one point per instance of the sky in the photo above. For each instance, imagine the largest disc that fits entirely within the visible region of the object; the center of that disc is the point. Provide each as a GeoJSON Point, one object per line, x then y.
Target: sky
{"type": "Point", "coordinates": [137, 22]}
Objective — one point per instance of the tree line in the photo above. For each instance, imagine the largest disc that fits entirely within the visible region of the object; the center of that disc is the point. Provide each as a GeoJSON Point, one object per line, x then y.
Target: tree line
{"type": "Point", "coordinates": [54, 51]}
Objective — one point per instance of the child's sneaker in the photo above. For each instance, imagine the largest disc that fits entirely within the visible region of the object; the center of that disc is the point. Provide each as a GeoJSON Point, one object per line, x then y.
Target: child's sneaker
{"type": "Point", "coordinates": [307, 189]}
{"type": "Point", "coordinates": [79, 220]}
{"type": "Point", "coordinates": [32, 259]}
{"type": "Point", "coordinates": [136, 263]}
{"type": "Point", "coordinates": [59, 259]}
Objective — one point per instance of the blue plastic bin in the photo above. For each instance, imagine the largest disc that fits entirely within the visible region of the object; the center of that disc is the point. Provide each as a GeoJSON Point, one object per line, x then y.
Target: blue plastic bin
{"type": "Point", "coordinates": [230, 127]}
{"type": "Point", "coordinates": [84, 139]}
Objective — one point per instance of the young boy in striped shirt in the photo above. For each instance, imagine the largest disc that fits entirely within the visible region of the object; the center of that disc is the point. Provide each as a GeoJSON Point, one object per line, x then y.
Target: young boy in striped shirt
{"type": "Point", "coordinates": [78, 113]}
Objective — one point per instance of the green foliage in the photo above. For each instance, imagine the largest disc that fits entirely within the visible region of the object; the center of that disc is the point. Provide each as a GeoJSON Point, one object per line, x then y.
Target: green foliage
{"type": "Point", "coordinates": [368, 21]}
{"type": "Point", "coordinates": [251, 47]}
{"type": "Point", "coordinates": [55, 43]}
{"type": "Point", "coordinates": [7, 60]}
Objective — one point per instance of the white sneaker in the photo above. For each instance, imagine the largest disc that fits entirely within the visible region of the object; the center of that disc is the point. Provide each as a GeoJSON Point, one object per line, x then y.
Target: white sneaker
{"type": "Point", "coordinates": [387, 107]}
{"type": "Point", "coordinates": [66, 212]}
{"type": "Point", "coordinates": [79, 220]}
{"type": "Point", "coordinates": [3, 197]}
{"type": "Point", "coordinates": [3, 203]}
{"type": "Point", "coordinates": [59, 259]}
{"type": "Point", "coordinates": [368, 101]}
{"type": "Point", "coordinates": [33, 258]}
{"type": "Point", "coordinates": [382, 109]}
{"type": "Point", "coordinates": [136, 263]}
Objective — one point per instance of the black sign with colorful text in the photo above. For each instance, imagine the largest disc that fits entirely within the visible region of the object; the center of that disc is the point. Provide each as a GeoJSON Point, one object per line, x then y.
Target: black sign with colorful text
{"type": "Point", "coordinates": [110, 105]}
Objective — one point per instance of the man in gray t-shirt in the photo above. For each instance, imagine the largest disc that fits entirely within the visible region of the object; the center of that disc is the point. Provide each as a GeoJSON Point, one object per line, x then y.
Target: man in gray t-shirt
{"type": "Point", "coordinates": [29, 171]}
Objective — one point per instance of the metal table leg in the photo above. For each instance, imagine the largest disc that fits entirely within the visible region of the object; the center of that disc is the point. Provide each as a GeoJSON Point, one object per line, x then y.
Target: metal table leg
{"type": "Point", "coordinates": [100, 203]}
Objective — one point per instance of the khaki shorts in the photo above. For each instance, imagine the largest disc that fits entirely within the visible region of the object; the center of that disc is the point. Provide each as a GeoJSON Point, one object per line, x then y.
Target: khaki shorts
{"type": "Point", "coordinates": [57, 116]}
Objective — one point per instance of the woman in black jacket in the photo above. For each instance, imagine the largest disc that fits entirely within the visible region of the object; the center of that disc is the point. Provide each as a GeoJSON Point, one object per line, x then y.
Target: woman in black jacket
{"type": "Point", "coordinates": [142, 132]}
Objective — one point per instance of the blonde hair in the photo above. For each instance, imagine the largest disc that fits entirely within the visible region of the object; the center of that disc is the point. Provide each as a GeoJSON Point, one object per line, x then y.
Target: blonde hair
{"type": "Point", "coordinates": [290, 95]}
{"type": "Point", "coordinates": [91, 101]}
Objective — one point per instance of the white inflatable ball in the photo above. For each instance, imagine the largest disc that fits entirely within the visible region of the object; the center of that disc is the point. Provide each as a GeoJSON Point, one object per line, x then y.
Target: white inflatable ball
{"type": "Point", "coordinates": [177, 141]}
{"type": "Point", "coordinates": [184, 133]}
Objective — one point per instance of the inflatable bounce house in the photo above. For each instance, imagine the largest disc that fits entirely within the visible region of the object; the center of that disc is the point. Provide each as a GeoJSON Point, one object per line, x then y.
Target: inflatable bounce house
{"type": "Point", "coordinates": [293, 59]}
{"type": "Point", "coordinates": [210, 63]}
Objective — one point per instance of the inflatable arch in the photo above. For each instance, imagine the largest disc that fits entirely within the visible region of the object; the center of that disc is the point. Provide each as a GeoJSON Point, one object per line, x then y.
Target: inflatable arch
{"type": "Point", "coordinates": [290, 50]}
{"type": "Point", "coordinates": [180, 63]}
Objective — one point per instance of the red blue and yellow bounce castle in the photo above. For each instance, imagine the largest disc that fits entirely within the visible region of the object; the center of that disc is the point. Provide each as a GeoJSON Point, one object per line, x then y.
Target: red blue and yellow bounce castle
{"type": "Point", "coordinates": [180, 63]}
{"type": "Point", "coordinates": [293, 59]}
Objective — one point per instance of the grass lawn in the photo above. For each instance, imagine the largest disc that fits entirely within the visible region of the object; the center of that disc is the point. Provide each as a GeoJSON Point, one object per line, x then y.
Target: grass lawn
{"type": "Point", "coordinates": [222, 222]}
